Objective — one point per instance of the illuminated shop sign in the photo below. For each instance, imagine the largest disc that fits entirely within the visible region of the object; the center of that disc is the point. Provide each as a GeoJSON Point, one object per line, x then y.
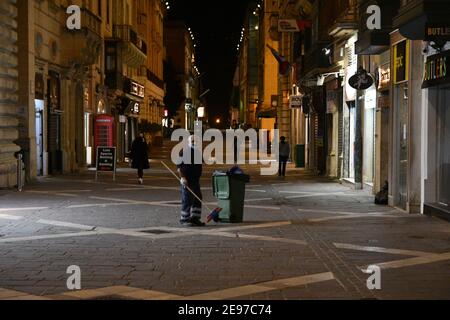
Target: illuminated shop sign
{"type": "Point", "coordinates": [135, 107]}
{"type": "Point", "coordinates": [437, 70]}
{"type": "Point", "coordinates": [137, 89]}
{"type": "Point", "coordinates": [401, 62]}
{"type": "Point", "coordinates": [437, 33]}
{"type": "Point", "coordinates": [383, 77]}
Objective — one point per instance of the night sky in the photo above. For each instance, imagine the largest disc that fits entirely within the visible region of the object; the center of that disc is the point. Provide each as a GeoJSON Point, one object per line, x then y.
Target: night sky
{"type": "Point", "coordinates": [216, 26]}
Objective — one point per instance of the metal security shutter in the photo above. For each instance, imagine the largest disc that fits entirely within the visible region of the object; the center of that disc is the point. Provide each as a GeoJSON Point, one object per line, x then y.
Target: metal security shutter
{"type": "Point", "coordinates": [340, 135]}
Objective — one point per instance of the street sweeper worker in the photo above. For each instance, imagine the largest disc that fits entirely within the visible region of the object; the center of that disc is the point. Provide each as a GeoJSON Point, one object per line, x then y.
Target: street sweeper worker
{"type": "Point", "coordinates": [191, 172]}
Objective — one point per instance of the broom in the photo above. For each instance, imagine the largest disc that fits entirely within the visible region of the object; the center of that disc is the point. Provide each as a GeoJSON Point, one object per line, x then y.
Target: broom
{"type": "Point", "coordinates": [214, 214]}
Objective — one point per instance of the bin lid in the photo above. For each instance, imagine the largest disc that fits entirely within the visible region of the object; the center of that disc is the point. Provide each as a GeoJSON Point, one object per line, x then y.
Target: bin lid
{"type": "Point", "coordinates": [219, 173]}
{"type": "Point", "coordinates": [235, 170]}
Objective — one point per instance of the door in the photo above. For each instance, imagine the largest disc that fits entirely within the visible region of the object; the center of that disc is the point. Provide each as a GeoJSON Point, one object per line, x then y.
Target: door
{"type": "Point", "coordinates": [352, 136]}
{"type": "Point", "coordinates": [54, 124]}
{"type": "Point", "coordinates": [402, 144]}
{"type": "Point", "coordinates": [39, 118]}
{"type": "Point", "coordinates": [444, 148]}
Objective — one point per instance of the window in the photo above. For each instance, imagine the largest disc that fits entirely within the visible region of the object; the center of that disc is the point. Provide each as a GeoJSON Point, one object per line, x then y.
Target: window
{"type": "Point", "coordinates": [99, 8]}
{"type": "Point", "coordinates": [108, 7]}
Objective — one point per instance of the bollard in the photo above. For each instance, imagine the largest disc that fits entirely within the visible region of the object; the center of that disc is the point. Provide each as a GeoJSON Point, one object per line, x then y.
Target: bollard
{"type": "Point", "coordinates": [20, 172]}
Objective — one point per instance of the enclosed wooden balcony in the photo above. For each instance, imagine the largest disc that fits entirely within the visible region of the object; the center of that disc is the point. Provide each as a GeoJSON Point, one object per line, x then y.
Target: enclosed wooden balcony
{"type": "Point", "coordinates": [345, 14]}
{"type": "Point", "coordinates": [81, 47]}
{"type": "Point", "coordinates": [133, 47]}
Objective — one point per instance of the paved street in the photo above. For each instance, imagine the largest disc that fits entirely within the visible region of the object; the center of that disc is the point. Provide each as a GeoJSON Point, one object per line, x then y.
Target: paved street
{"type": "Point", "coordinates": [303, 238]}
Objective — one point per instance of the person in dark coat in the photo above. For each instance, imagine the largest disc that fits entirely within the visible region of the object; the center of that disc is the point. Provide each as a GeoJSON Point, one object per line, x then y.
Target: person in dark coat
{"type": "Point", "coordinates": [285, 153]}
{"type": "Point", "coordinates": [139, 156]}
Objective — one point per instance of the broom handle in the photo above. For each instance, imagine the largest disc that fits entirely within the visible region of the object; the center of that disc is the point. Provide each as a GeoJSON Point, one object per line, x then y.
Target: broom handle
{"type": "Point", "coordinates": [189, 189]}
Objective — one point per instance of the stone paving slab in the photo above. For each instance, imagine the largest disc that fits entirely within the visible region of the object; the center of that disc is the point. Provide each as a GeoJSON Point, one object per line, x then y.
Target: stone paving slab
{"type": "Point", "coordinates": [235, 261]}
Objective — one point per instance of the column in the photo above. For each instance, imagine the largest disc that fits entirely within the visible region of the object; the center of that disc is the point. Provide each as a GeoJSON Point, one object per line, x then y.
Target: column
{"type": "Point", "coordinates": [8, 93]}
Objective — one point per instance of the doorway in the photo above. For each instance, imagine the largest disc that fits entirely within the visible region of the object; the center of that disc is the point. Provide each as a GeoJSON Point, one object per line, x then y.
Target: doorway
{"type": "Point", "coordinates": [402, 144]}
{"type": "Point", "coordinates": [39, 118]}
{"type": "Point", "coordinates": [444, 147]}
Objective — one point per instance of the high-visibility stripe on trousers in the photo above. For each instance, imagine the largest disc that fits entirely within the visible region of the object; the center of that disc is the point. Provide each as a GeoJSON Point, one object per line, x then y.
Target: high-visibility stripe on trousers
{"type": "Point", "coordinates": [191, 207]}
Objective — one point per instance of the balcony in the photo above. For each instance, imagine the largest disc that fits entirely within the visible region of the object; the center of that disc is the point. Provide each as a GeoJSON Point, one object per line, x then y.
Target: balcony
{"type": "Point", "coordinates": [115, 80]}
{"type": "Point", "coordinates": [134, 48]}
{"type": "Point", "coordinates": [155, 79]}
{"type": "Point", "coordinates": [316, 61]}
{"type": "Point", "coordinates": [82, 47]}
{"type": "Point", "coordinates": [346, 18]}
{"type": "Point", "coordinates": [416, 15]}
{"type": "Point", "coordinates": [146, 74]}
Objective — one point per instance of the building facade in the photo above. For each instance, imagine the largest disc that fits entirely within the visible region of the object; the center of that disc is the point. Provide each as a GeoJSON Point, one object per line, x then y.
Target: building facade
{"type": "Point", "coordinates": [419, 154]}
{"type": "Point", "coordinates": [72, 82]}
{"type": "Point", "coordinates": [393, 130]}
{"type": "Point", "coordinates": [9, 126]}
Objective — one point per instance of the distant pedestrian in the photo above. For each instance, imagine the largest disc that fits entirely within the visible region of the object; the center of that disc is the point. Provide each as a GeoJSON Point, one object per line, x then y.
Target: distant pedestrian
{"type": "Point", "coordinates": [285, 153]}
{"type": "Point", "coordinates": [139, 156]}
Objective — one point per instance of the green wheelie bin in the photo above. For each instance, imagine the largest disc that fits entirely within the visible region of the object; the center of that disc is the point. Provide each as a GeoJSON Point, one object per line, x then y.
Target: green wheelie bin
{"type": "Point", "coordinates": [229, 190]}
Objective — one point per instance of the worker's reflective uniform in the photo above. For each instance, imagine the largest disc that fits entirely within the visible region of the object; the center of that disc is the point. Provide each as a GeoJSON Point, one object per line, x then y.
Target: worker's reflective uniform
{"type": "Point", "coordinates": [191, 207]}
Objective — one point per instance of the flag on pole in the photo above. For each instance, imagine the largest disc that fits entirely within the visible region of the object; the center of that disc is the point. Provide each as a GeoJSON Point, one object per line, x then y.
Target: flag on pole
{"type": "Point", "coordinates": [285, 66]}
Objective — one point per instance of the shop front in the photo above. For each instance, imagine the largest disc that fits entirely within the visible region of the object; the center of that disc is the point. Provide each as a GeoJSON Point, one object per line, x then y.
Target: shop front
{"type": "Point", "coordinates": [418, 175]}
{"type": "Point", "coordinates": [383, 83]}
{"type": "Point", "coordinates": [39, 105]}
{"type": "Point", "coordinates": [369, 123]}
{"type": "Point", "coordinates": [437, 130]}
{"type": "Point", "coordinates": [130, 108]}
{"type": "Point", "coordinates": [349, 114]}
{"type": "Point", "coordinates": [334, 111]}
{"type": "Point", "coordinates": [401, 60]}
{"type": "Point", "coordinates": [54, 113]}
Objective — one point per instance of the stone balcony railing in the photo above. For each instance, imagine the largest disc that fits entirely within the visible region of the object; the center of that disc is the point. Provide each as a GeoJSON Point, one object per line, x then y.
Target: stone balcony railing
{"type": "Point", "coordinates": [81, 47]}
{"type": "Point", "coordinates": [134, 48]}
{"type": "Point", "coordinates": [345, 17]}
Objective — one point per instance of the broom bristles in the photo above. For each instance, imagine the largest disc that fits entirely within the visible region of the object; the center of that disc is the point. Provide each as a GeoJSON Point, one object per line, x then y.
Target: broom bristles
{"type": "Point", "coordinates": [214, 215]}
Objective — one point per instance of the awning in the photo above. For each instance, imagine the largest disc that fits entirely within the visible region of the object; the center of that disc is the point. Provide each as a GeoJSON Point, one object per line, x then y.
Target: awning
{"type": "Point", "coordinates": [414, 19]}
{"type": "Point", "coordinates": [372, 43]}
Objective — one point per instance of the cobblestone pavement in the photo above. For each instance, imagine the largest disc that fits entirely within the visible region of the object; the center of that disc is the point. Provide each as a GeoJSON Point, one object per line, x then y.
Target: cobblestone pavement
{"type": "Point", "coordinates": [303, 238]}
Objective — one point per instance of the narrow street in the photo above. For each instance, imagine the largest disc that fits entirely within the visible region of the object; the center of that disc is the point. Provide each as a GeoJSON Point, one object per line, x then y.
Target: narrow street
{"type": "Point", "coordinates": [303, 237]}
{"type": "Point", "coordinates": [122, 124]}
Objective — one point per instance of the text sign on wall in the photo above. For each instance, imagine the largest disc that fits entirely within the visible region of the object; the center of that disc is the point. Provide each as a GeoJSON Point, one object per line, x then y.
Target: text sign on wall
{"type": "Point", "coordinates": [437, 70]}
{"type": "Point", "coordinates": [137, 89]}
{"type": "Point", "coordinates": [401, 62]}
{"type": "Point", "coordinates": [296, 101]}
{"type": "Point", "coordinates": [437, 33]}
{"type": "Point", "coordinates": [292, 25]}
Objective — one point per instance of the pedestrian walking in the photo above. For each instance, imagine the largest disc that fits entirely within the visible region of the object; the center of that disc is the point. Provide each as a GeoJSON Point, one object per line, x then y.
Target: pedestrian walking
{"type": "Point", "coordinates": [285, 153]}
{"type": "Point", "coordinates": [139, 156]}
{"type": "Point", "coordinates": [191, 206]}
